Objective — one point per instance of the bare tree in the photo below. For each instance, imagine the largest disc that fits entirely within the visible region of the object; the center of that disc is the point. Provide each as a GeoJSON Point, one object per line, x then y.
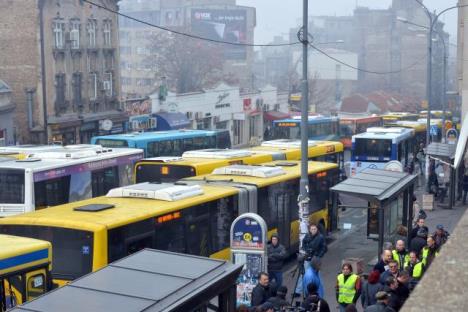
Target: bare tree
{"type": "Point", "coordinates": [188, 64]}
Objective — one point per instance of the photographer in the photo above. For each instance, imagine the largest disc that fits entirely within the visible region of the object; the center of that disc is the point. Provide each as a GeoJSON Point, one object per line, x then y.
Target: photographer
{"type": "Point", "coordinates": [314, 243]}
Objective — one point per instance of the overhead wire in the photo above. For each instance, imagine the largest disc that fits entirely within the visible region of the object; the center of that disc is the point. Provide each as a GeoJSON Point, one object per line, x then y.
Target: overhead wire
{"type": "Point", "coordinates": [188, 34]}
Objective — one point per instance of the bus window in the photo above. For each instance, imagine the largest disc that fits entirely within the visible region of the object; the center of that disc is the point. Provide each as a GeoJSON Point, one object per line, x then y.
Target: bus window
{"type": "Point", "coordinates": [200, 143]}
{"type": "Point", "coordinates": [373, 148]}
{"type": "Point", "coordinates": [198, 230]}
{"type": "Point", "coordinates": [104, 180]}
{"type": "Point", "coordinates": [72, 250]}
{"type": "Point", "coordinates": [51, 192]}
{"type": "Point", "coordinates": [268, 203]}
{"type": "Point", "coordinates": [188, 144]}
{"type": "Point", "coordinates": [222, 213]}
{"type": "Point", "coordinates": [223, 140]}
{"type": "Point", "coordinates": [152, 149]}
{"type": "Point", "coordinates": [170, 236]}
{"type": "Point", "coordinates": [112, 143]}
{"type": "Point", "coordinates": [177, 148]}
{"type": "Point", "coordinates": [130, 238]}
{"type": "Point", "coordinates": [165, 148]}
{"type": "Point", "coordinates": [11, 186]}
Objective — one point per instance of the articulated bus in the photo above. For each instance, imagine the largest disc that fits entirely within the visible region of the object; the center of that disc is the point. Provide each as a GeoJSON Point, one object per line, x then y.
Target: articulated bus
{"type": "Point", "coordinates": [377, 146]}
{"type": "Point", "coordinates": [189, 216]}
{"type": "Point", "coordinates": [351, 125]}
{"type": "Point", "coordinates": [418, 127]}
{"type": "Point", "coordinates": [64, 174]}
{"type": "Point", "coordinates": [319, 128]}
{"type": "Point", "coordinates": [167, 143]}
{"type": "Point", "coordinates": [395, 116]}
{"type": "Point", "coordinates": [25, 265]}
{"type": "Point", "coordinates": [194, 163]}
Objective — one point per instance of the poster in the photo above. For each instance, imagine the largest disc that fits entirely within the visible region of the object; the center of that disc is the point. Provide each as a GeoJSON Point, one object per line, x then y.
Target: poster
{"type": "Point", "coordinates": [248, 278]}
{"type": "Point", "coordinates": [222, 25]}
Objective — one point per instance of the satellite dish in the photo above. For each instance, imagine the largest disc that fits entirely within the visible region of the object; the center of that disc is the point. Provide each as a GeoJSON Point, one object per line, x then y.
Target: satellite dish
{"type": "Point", "coordinates": [394, 165]}
{"type": "Point", "coordinates": [106, 124]}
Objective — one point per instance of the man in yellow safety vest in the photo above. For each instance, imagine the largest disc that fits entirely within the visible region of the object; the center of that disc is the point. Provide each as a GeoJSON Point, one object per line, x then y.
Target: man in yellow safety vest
{"type": "Point", "coordinates": [348, 287]}
{"type": "Point", "coordinates": [429, 252]}
{"type": "Point", "coordinates": [415, 269]}
{"type": "Point", "coordinates": [400, 254]}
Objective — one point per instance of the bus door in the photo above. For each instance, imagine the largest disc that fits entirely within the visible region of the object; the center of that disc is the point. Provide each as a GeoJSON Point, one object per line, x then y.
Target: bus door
{"type": "Point", "coordinates": [282, 202]}
{"type": "Point", "coordinates": [198, 230]}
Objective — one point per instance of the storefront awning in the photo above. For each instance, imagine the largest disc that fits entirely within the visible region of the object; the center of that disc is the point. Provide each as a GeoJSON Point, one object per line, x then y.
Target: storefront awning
{"type": "Point", "coordinates": [171, 121]}
{"type": "Point", "coordinates": [275, 115]}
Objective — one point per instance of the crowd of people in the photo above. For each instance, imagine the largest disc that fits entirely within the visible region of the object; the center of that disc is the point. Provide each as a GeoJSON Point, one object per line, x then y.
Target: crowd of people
{"type": "Point", "coordinates": [386, 287]}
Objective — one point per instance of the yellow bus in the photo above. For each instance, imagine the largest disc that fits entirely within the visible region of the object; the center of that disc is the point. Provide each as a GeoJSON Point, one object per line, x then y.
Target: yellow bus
{"type": "Point", "coordinates": [194, 163]}
{"type": "Point", "coordinates": [419, 128]}
{"type": "Point", "coordinates": [25, 265]}
{"type": "Point", "coordinates": [394, 116]}
{"type": "Point", "coordinates": [189, 216]}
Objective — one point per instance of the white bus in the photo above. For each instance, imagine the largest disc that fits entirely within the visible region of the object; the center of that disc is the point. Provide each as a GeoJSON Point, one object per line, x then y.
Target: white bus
{"type": "Point", "coordinates": [377, 146]}
{"type": "Point", "coordinates": [64, 174]}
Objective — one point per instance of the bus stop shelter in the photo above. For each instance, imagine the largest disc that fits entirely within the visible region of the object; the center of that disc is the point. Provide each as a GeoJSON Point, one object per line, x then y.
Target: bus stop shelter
{"type": "Point", "coordinates": [150, 280]}
{"type": "Point", "coordinates": [390, 200]}
{"type": "Point", "coordinates": [445, 154]}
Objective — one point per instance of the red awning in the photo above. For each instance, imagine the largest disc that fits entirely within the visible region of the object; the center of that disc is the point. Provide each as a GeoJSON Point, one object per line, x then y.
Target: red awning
{"type": "Point", "coordinates": [275, 115]}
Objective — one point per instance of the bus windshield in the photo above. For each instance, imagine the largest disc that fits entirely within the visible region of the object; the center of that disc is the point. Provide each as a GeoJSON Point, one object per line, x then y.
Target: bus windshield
{"type": "Point", "coordinates": [374, 148]}
{"type": "Point", "coordinates": [11, 186]}
{"type": "Point", "coordinates": [72, 250]}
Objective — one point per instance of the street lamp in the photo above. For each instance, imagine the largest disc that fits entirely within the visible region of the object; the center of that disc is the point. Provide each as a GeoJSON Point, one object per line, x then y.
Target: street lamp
{"type": "Point", "coordinates": [444, 88]}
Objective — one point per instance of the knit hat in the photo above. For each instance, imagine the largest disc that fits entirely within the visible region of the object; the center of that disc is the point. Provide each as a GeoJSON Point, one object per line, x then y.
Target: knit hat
{"type": "Point", "coordinates": [381, 295]}
{"type": "Point", "coordinates": [439, 227]}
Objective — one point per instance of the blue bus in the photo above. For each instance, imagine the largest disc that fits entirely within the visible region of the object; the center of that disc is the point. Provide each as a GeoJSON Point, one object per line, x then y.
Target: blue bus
{"type": "Point", "coordinates": [167, 143]}
{"type": "Point", "coordinates": [379, 145]}
{"type": "Point", "coordinates": [319, 128]}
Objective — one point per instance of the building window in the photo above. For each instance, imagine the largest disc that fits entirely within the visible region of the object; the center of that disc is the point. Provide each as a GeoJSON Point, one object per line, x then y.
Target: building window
{"type": "Point", "coordinates": [91, 28]}
{"type": "Point", "coordinates": [75, 34]}
{"type": "Point", "coordinates": [107, 84]}
{"type": "Point", "coordinates": [76, 83]}
{"type": "Point", "coordinates": [60, 92]}
{"type": "Point", "coordinates": [238, 129]}
{"type": "Point", "coordinates": [93, 86]}
{"type": "Point", "coordinates": [59, 33]}
{"type": "Point", "coordinates": [107, 33]}
{"type": "Point", "coordinates": [126, 81]}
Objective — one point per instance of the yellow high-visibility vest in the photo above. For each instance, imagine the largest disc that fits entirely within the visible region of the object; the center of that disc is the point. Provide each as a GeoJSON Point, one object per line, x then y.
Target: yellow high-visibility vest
{"type": "Point", "coordinates": [347, 289]}
{"type": "Point", "coordinates": [396, 257]}
{"type": "Point", "coordinates": [425, 253]}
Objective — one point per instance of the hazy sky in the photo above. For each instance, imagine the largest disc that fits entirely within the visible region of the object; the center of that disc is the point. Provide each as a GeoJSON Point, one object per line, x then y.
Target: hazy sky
{"type": "Point", "coordinates": [275, 17]}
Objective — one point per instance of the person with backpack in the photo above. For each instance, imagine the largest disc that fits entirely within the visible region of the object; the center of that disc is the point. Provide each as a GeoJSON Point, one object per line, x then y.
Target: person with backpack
{"type": "Point", "coordinates": [313, 302]}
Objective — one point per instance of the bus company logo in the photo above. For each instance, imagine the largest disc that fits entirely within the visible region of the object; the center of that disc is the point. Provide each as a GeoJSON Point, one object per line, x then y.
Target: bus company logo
{"type": "Point", "coordinates": [247, 237]}
{"type": "Point", "coordinates": [247, 222]}
{"type": "Point", "coordinates": [331, 149]}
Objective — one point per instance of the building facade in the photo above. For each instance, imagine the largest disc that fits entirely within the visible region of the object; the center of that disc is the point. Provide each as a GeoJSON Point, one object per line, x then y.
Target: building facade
{"type": "Point", "coordinates": [65, 62]}
{"type": "Point", "coordinates": [226, 107]}
{"type": "Point", "coordinates": [7, 107]}
{"type": "Point", "coordinates": [203, 18]}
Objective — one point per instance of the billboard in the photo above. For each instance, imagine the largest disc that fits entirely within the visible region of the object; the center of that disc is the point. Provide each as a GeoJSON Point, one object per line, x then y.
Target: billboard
{"type": "Point", "coordinates": [222, 25]}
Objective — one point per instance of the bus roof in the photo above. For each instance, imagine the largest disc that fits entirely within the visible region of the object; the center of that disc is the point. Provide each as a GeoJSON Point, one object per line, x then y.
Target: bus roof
{"type": "Point", "coordinates": [157, 135]}
{"type": "Point", "coordinates": [69, 155]}
{"type": "Point", "coordinates": [412, 124]}
{"type": "Point", "coordinates": [291, 170]}
{"type": "Point", "coordinates": [360, 118]}
{"type": "Point", "coordinates": [391, 133]}
{"type": "Point", "coordinates": [18, 252]}
{"type": "Point", "coordinates": [120, 211]}
{"type": "Point", "coordinates": [312, 119]}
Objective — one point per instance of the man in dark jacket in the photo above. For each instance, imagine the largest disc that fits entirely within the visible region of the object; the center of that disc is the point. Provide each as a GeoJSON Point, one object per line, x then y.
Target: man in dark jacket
{"type": "Point", "coordinates": [313, 243]}
{"type": "Point", "coordinates": [276, 255]}
{"type": "Point", "coordinates": [279, 301]}
{"type": "Point", "coordinates": [419, 242]}
{"type": "Point", "coordinates": [382, 303]}
{"type": "Point", "coordinates": [384, 260]}
{"type": "Point", "coordinates": [414, 231]}
{"type": "Point", "coordinates": [262, 291]}
{"type": "Point", "coordinates": [313, 302]}
{"type": "Point", "coordinates": [391, 285]}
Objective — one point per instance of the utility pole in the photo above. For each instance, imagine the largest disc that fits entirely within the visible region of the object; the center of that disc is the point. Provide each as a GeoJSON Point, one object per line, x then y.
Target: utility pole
{"type": "Point", "coordinates": [303, 199]}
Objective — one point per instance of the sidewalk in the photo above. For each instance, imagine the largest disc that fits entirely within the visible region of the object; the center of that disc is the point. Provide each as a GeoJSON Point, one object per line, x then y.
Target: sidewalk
{"type": "Point", "coordinates": [353, 243]}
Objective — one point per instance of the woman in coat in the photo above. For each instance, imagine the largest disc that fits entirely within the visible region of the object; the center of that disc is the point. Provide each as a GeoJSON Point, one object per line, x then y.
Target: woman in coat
{"type": "Point", "coordinates": [370, 288]}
